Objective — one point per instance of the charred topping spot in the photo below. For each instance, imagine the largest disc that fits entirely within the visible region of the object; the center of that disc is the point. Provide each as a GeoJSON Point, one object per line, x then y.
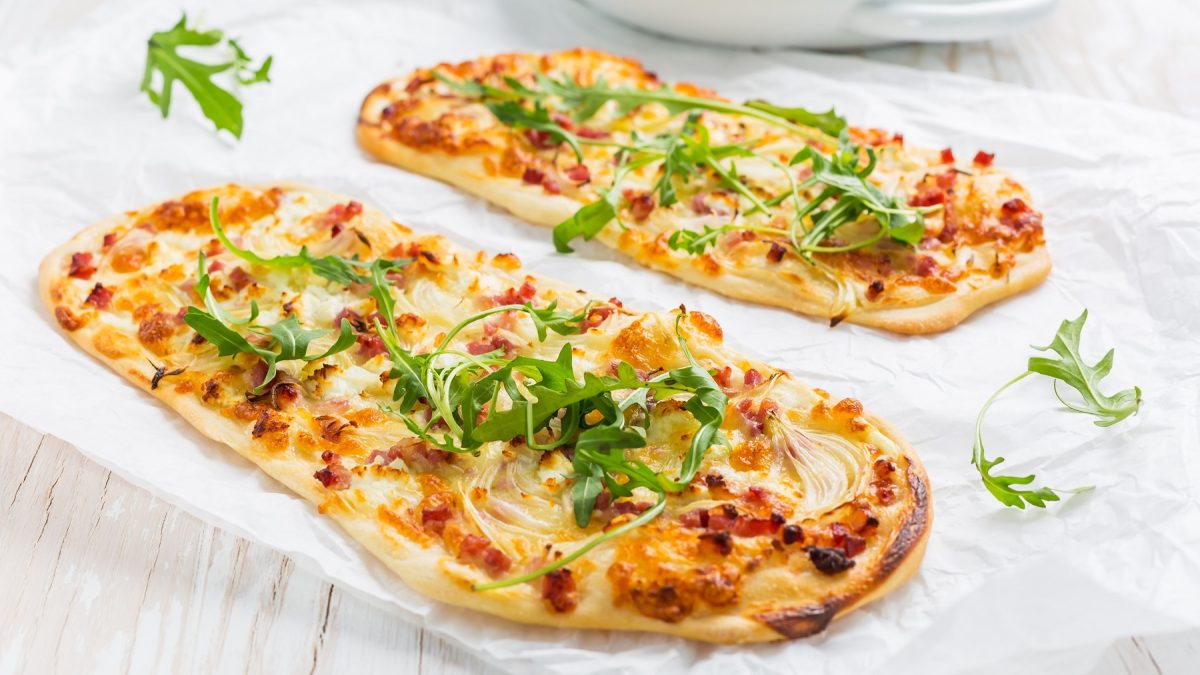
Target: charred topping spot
{"type": "Point", "coordinates": [722, 541]}
{"type": "Point", "coordinates": [160, 372]}
{"type": "Point", "coordinates": [829, 560]}
{"type": "Point", "coordinates": [792, 534]}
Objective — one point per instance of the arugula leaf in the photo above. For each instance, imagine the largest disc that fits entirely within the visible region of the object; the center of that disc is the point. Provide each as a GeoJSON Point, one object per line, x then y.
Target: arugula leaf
{"type": "Point", "coordinates": [828, 122]}
{"type": "Point", "coordinates": [227, 341]}
{"type": "Point", "coordinates": [217, 104]}
{"type": "Point", "coordinates": [586, 222]}
{"type": "Point", "coordinates": [287, 335]}
{"type": "Point", "coordinates": [513, 114]}
{"type": "Point", "coordinates": [1075, 372]}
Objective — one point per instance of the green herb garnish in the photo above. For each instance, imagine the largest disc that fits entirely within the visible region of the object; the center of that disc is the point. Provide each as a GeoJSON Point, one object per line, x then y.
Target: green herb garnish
{"type": "Point", "coordinates": [1071, 369]}
{"type": "Point", "coordinates": [218, 104]}
{"type": "Point", "coordinates": [842, 195]}
{"type": "Point", "coordinates": [545, 404]}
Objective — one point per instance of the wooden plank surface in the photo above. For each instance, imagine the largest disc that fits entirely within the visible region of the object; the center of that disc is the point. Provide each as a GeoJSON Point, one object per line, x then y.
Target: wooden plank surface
{"type": "Point", "coordinates": [99, 576]}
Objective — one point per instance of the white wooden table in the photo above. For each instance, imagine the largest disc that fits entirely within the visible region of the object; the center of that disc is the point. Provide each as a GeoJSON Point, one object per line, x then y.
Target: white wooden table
{"type": "Point", "coordinates": [98, 576]}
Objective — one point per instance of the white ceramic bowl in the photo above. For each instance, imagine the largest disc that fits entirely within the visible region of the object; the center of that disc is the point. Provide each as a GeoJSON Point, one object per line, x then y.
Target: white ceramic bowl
{"type": "Point", "coordinates": [826, 24]}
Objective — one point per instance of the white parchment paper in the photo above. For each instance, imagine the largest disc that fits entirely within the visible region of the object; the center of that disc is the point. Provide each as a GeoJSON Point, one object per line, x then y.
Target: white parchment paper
{"type": "Point", "coordinates": [1045, 589]}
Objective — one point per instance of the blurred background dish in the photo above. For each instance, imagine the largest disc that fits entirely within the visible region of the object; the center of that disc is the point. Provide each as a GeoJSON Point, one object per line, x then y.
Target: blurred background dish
{"type": "Point", "coordinates": [825, 24]}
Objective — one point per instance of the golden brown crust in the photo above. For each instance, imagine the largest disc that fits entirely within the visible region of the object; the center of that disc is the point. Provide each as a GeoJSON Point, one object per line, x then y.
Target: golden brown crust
{"type": "Point", "coordinates": [473, 158]}
{"type": "Point", "coordinates": [769, 612]}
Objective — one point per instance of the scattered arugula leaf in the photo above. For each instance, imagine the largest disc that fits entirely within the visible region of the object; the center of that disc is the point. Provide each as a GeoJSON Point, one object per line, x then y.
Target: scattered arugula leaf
{"type": "Point", "coordinates": [217, 104]}
{"type": "Point", "coordinates": [1072, 370]}
{"type": "Point", "coordinates": [829, 121]}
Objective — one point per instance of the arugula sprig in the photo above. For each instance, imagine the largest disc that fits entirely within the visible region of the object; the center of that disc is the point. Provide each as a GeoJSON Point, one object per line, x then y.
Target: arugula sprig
{"type": "Point", "coordinates": [844, 195]}
{"type": "Point", "coordinates": [600, 461]}
{"type": "Point", "coordinates": [1072, 370]}
{"type": "Point", "coordinates": [217, 104]}
{"type": "Point", "coordinates": [288, 340]}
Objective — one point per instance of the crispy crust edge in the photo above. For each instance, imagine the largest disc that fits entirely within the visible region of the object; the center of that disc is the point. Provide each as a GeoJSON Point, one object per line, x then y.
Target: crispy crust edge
{"type": "Point", "coordinates": [528, 203]}
{"type": "Point", "coordinates": [423, 568]}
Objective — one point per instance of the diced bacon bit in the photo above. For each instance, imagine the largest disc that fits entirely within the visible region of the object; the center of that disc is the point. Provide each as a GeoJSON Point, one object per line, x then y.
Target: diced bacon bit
{"type": "Point", "coordinates": [792, 534]}
{"type": "Point", "coordinates": [722, 518]}
{"type": "Point", "coordinates": [722, 377]}
{"type": "Point", "coordinates": [641, 204]}
{"type": "Point", "coordinates": [734, 238]}
{"type": "Point", "coordinates": [604, 499]}
{"type": "Point", "coordinates": [334, 476]}
{"type": "Point", "coordinates": [478, 551]}
{"type": "Point", "coordinates": [597, 316]}
{"type": "Point", "coordinates": [517, 296]}
{"type": "Point", "coordinates": [699, 206]}
{"type": "Point", "coordinates": [533, 176]}
{"type": "Point", "coordinates": [384, 457]}
{"type": "Point", "coordinates": [898, 138]}
{"type": "Point", "coordinates": [885, 492]}
{"type": "Point", "coordinates": [928, 195]}
{"type": "Point", "coordinates": [215, 266]}
{"type": "Point", "coordinates": [984, 158]}
{"type": "Point", "coordinates": [625, 506]}
{"type": "Point", "coordinates": [436, 511]}
{"type": "Point", "coordinates": [1018, 215]}
{"type": "Point", "coordinates": [540, 139]}
{"type": "Point", "coordinates": [841, 537]}
{"type": "Point", "coordinates": [551, 186]}
{"type": "Point", "coordinates": [240, 278]}
{"type": "Point", "coordinates": [339, 214]}
{"type": "Point", "coordinates": [776, 253]}
{"type": "Point", "coordinates": [588, 132]}
{"type": "Point", "coordinates": [109, 240]}
{"type": "Point", "coordinates": [947, 156]}
{"type": "Point", "coordinates": [746, 526]}
{"type": "Point", "coordinates": [99, 297]}
{"type": "Point", "coordinates": [695, 519]}
{"type": "Point", "coordinates": [558, 590]}
{"type": "Point", "coordinates": [756, 416]}
{"type": "Point", "coordinates": [489, 344]}
{"type": "Point", "coordinates": [925, 266]}
{"type": "Point", "coordinates": [563, 121]}
{"type": "Point", "coordinates": [356, 319]}
{"type": "Point", "coordinates": [214, 247]}
{"type": "Point", "coordinates": [875, 290]}
{"type": "Point", "coordinates": [370, 345]}
{"type": "Point", "coordinates": [416, 453]}
{"type": "Point", "coordinates": [82, 266]}
{"type": "Point", "coordinates": [883, 467]}
{"type": "Point", "coordinates": [752, 378]}
{"type": "Point", "coordinates": [579, 173]}
{"type": "Point", "coordinates": [725, 518]}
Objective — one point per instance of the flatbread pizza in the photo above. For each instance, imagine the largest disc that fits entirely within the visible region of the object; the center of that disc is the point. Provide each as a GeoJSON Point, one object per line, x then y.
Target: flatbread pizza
{"type": "Point", "coordinates": [759, 202]}
{"type": "Point", "coordinates": [499, 440]}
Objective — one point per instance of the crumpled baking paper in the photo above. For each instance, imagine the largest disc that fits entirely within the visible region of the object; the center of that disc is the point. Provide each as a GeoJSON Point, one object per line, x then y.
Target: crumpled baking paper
{"type": "Point", "coordinates": [1044, 588]}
